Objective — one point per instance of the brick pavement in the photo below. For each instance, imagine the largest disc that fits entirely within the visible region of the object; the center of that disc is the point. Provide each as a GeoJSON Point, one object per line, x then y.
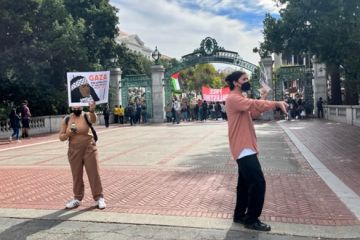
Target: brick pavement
{"type": "Point", "coordinates": [172, 170]}
{"type": "Point", "coordinates": [337, 146]}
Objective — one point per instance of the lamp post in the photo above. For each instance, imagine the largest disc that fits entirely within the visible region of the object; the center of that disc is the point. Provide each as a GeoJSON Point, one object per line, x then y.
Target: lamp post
{"type": "Point", "coordinates": [156, 55]}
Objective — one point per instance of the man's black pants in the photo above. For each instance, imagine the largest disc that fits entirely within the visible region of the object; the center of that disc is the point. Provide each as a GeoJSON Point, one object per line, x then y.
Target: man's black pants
{"type": "Point", "coordinates": [320, 113]}
{"type": "Point", "coordinates": [250, 189]}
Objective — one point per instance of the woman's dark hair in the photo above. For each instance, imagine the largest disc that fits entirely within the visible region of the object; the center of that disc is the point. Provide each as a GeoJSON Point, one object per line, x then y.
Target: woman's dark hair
{"type": "Point", "coordinates": [233, 77]}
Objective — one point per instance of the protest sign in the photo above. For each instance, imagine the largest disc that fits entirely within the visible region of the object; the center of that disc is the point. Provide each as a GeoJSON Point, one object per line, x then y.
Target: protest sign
{"type": "Point", "coordinates": [215, 95]}
{"type": "Point", "coordinates": [84, 87]}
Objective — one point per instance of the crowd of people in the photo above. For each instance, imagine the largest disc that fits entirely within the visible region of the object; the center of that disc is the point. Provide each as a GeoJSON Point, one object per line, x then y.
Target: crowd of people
{"type": "Point", "coordinates": [200, 111]}
{"type": "Point", "coordinates": [134, 113]}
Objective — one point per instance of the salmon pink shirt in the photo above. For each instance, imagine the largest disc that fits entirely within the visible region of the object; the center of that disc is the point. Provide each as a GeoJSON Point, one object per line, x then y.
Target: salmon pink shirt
{"type": "Point", "coordinates": [240, 111]}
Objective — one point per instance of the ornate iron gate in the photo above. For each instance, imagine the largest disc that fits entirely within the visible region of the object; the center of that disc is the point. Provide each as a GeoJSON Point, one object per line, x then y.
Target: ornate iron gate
{"type": "Point", "coordinates": [285, 75]}
{"type": "Point", "coordinates": [209, 52]}
{"type": "Point", "coordinates": [135, 87]}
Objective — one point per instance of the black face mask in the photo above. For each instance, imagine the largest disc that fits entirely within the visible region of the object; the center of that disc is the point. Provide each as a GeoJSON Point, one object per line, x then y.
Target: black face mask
{"type": "Point", "coordinates": [77, 112]}
{"type": "Point", "coordinates": [246, 87]}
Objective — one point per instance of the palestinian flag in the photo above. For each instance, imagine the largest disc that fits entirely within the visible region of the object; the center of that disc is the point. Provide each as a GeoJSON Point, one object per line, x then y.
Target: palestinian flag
{"type": "Point", "coordinates": [175, 81]}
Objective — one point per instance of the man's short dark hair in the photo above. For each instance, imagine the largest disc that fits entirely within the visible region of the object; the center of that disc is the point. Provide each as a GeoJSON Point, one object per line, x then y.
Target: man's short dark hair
{"type": "Point", "coordinates": [233, 77]}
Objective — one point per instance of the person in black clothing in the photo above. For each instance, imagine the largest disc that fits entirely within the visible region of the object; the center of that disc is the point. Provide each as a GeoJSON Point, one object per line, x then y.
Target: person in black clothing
{"type": "Point", "coordinates": [131, 113]}
{"type": "Point", "coordinates": [300, 108]}
{"type": "Point", "coordinates": [14, 124]}
{"type": "Point", "coordinates": [144, 113]}
{"type": "Point", "coordinates": [204, 110]}
{"type": "Point", "coordinates": [294, 109]}
{"type": "Point", "coordinates": [173, 112]}
{"type": "Point", "coordinates": [217, 110]}
{"type": "Point", "coordinates": [138, 113]}
{"type": "Point", "coordinates": [106, 114]}
{"type": "Point", "coordinates": [196, 112]}
{"type": "Point", "coordinates": [320, 109]}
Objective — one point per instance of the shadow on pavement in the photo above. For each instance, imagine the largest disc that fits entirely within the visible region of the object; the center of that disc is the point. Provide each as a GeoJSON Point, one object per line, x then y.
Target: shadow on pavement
{"type": "Point", "coordinates": [235, 235]}
{"type": "Point", "coordinates": [25, 229]}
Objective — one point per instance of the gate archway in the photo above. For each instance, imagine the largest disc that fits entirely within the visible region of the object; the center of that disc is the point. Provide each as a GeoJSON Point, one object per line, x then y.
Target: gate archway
{"type": "Point", "coordinates": [137, 87]}
{"type": "Point", "coordinates": [209, 52]}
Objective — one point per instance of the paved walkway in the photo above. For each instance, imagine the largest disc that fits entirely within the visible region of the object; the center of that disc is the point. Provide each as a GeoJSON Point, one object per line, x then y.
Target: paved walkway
{"type": "Point", "coordinates": [182, 175]}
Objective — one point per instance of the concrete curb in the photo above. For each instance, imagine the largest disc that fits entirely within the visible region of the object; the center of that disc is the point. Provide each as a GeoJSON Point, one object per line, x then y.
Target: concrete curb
{"type": "Point", "coordinates": [302, 230]}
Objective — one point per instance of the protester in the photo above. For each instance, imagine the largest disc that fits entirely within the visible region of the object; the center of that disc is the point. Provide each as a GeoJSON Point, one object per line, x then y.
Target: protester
{"type": "Point", "coordinates": [223, 111]}
{"type": "Point", "coordinates": [116, 114]}
{"type": "Point", "coordinates": [106, 114]}
{"type": "Point", "coordinates": [82, 152]}
{"type": "Point", "coordinates": [196, 112]}
{"type": "Point", "coordinates": [320, 109]}
{"type": "Point", "coordinates": [14, 124]}
{"type": "Point", "coordinates": [143, 113]}
{"type": "Point", "coordinates": [168, 113]}
{"type": "Point", "coordinates": [25, 119]}
{"type": "Point", "coordinates": [130, 112]}
{"type": "Point", "coordinates": [242, 140]}
{"type": "Point", "coordinates": [217, 110]}
{"type": "Point", "coordinates": [138, 112]}
{"type": "Point", "coordinates": [177, 109]}
{"type": "Point", "coordinates": [121, 113]}
{"type": "Point", "coordinates": [204, 111]}
{"type": "Point", "coordinates": [184, 111]}
{"type": "Point", "coordinates": [200, 113]}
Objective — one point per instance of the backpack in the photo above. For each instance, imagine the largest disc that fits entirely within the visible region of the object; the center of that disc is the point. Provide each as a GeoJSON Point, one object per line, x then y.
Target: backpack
{"type": "Point", "coordinates": [67, 118]}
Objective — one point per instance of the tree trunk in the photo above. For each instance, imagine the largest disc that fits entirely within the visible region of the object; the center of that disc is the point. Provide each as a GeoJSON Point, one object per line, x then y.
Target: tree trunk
{"type": "Point", "coordinates": [351, 89]}
{"type": "Point", "coordinates": [334, 71]}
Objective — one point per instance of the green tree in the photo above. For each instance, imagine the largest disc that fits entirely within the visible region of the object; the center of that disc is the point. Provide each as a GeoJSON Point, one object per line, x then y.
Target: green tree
{"type": "Point", "coordinates": [195, 77]}
{"type": "Point", "coordinates": [39, 47]}
{"type": "Point", "coordinates": [325, 28]}
{"type": "Point", "coordinates": [41, 40]}
{"type": "Point", "coordinates": [101, 21]}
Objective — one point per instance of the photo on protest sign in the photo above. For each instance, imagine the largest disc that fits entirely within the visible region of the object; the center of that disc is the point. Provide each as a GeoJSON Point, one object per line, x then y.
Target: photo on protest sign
{"type": "Point", "coordinates": [84, 87]}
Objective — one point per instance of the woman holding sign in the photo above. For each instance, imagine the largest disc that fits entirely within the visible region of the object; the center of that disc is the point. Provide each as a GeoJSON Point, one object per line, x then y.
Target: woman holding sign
{"type": "Point", "coordinates": [82, 152]}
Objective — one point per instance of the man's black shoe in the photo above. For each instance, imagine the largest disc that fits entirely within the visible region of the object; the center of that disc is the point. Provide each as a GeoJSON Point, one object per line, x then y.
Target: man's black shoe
{"type": "Point", "coordinates": [258, 226]}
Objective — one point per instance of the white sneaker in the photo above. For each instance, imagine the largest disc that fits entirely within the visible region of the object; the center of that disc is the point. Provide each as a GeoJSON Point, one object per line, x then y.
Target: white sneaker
{"type": "Point", "coordinates": [74, 203]}
{"type": "Point", "coordinates": [10, 139]}
{"type": "Point", "coordinates": [101, 203]}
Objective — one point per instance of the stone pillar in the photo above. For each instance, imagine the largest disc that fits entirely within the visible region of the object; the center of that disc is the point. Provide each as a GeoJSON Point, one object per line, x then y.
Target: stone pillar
{"type": "Point", "coordinates": [115, 91]}
{"type": "Point", "coordinates": [319, 82]}
{"type": "Point", "coordinates": [267, 62]}
{"type": "Point", "coordinates": [157, 76]}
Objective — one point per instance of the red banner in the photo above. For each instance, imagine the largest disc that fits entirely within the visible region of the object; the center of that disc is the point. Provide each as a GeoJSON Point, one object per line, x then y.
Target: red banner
{"type": "Point", "coordinates": [215, 95]}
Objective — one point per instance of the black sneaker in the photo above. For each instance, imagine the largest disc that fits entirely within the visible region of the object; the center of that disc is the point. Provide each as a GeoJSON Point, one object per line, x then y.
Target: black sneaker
{"type": "Point", "coordinates": [258, 226]}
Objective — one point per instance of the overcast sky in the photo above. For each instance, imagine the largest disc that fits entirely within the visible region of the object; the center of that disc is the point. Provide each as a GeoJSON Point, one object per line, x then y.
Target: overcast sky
{"type": "Point", "coordinates": [178, 26]}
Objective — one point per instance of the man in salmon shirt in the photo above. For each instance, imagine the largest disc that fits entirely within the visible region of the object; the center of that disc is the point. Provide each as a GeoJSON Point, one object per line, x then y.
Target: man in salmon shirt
{"type": "Point", "coordinates": [242, 140]}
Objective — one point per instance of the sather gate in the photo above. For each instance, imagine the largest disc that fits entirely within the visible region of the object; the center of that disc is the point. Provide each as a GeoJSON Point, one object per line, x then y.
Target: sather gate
{"type": "Point", "coordinates": [156, 89]}
{"type": "Point", "coordinates": [209, 52]}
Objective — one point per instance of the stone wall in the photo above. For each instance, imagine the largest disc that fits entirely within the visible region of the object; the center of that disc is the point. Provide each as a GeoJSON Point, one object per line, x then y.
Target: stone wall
{"type": "Point", "coordinates": [42, 125]}
{"type": "Point", "coordinates": [343, 113]}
